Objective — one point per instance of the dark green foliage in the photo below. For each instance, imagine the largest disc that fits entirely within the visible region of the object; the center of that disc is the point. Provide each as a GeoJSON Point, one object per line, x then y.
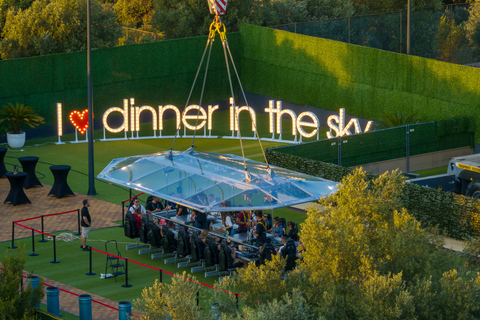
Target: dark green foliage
{"type": "Point", "coordinates": [396, 119]}
{"type": "Point", "coordinates": [14, 118]}
{"type": "Point", "coordinates": [365, 81]}
{"type": "Point", "coordinates": [57, 26]}
{"type": "Point", "coordinates": [153, 73]}
{"type": "Point", "coordinates": [17, 303]}
{"type": "Point", "coordinates": [454, 215]}
{"type": "Point", "coordinates": [381, 145]}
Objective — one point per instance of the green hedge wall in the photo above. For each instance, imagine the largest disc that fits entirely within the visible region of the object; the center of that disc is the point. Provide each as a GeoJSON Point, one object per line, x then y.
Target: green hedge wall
{"type": "Point", "coordinates": [367, 82]}
{"type": "Point", "coordinates": [456, 216]}
{"type": "Point", "coordinates": [388, 144]}
{"type": "Point", "coordinates": [153, 73]}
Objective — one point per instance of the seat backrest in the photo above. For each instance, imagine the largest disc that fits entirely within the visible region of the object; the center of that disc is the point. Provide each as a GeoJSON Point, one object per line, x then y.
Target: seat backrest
{"type": "Point", "coordinates": [149, 199]}
{"type": "Point", "coordinates": [211, 258]}
{"type": "Point", "coordinates": [144, 229]}
{"type": "Point", "coordinates": [222, 257]}
{"type": "Point", "coordinates": [183, 246]}
{"type": "Point", "coordinates": [154, 237]}
{"type": "Point", "coordinates": [130, 226]}
{"type": "Point", "coordinates": [267, 252]}
{"type": "Point", "coordinates": [270, 219]}
{"type": "Point", "coordinates": [291, 255]}
{"type": "Point", "coordinates": [194, 248]}
{"type": "Point", "coordinates": [283, 222]}
{"type": "Point", "coordinates": [167, 242]}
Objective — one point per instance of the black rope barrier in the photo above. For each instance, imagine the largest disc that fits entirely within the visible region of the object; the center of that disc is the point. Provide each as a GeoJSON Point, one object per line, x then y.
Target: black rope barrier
{"type": "Point", "coordinates": [43, 236]}
{"type": "Point", "coordinates": [55, 251]}
{"type": "Point", "coordinates": [90, 273]}
{"type": "Point", "coordinates": [13, 246]}
{"type": "Point", "coordinates": [126, 285]}
{"type": "Point", "coordinates": [33, 244]}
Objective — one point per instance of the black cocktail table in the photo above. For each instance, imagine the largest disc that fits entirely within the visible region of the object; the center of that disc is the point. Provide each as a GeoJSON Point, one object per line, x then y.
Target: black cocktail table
{"type": "Point", "coordinates": [60, 186]}
{"type": "Point", "coordinates": [16, 194]}
{"type": "Point", "coordinates": [28, 164]}
{"type": "Point", "coordinates": [3, 170]}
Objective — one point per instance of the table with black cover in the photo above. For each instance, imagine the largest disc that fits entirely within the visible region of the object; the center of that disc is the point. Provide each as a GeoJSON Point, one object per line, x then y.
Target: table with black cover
{"type": "Point", "coordinates": [28, 164]}
{"type": "Point", "coordinates": [60, 186]}
{"type": "Point", "coordinates": [3, 170]}
{"type": "Point", "coordinates": [16, 194]}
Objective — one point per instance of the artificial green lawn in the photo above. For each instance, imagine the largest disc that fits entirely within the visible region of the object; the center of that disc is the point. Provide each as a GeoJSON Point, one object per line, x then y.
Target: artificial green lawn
{"type": "Point", "coordinates": [75, 262]}
{"type": "Point", "coordinates": [432, 171]}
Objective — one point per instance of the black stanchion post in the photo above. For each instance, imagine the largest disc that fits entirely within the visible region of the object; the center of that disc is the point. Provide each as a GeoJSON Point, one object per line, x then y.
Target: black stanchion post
{"type": "Point", "coordinates": [33, 244]}
{"type": "Point", "coordinates": [55, 251]}
{"type": "Point", "coordinates": [43, 236]}
{"type": "Point", "coordinates": [198, 298]}
{"type": "Point", "coordinates": [78, 222]}
{"type": "Point", "coordinates": [90, 273]}
{"type": "Point", "coordinates": [236, 294]}
{"type": "Point", "coordinates": [123, 214]}
{"type": "Point", "coordinates": [161, 275]}
{"type": "Point", "coordinates": [126, 285]}
{"type": "Point", "coordinates": [13, 246]}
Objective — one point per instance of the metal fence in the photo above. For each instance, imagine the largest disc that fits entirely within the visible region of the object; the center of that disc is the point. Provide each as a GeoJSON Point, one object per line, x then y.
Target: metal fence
{"type": "Point", "coordinates": [388, 31]}
{"type": "Point", "coordinates": [381, 145]}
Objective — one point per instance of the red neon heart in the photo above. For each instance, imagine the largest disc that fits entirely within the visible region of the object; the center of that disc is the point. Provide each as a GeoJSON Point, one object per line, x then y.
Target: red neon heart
{"type": "Point", "coordinates": [79, 120]}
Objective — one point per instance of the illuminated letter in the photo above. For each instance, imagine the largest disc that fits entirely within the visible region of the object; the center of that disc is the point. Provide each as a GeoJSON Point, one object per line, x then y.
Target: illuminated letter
{"type": "Point", "coordinates": [232, 116]}
{"type": "Point", "coordinates": [161, 110]}
{"type": "Point", "coordinates": [59, 119]}
{"type": "Point", "coordinates": [139, 110]}
{"type": "Point", "coordinates": [210, 116]}
{"type": "Point", "coordinates": [132, 115]}
{"type": "Point", "coordinates": [252, 115]}
{"type": "Point", "coordinates": [202, 117]}
{"type": "Point", "coordinates": [124, 112]}
{"type": "Point", "coordinates": [281, 112]}
{"type": "Point", "coordinates": [271, 110]}
{"type": "Point", "coordinates": [369, 124]}
{"type": "Point", "coordinates": [313, 124]}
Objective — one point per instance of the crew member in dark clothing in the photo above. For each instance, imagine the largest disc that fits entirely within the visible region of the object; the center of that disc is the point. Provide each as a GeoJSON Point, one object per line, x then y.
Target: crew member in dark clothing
{"type": "Point", "coordinates": [155, 205]}
{"type": "Point", "coordinates": [86, 222]}
{"type": "Point", "coordinates": [200, 219]}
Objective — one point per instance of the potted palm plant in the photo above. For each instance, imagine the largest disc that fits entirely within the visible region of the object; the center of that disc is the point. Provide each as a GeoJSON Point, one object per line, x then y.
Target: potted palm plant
{"type": "Point", "coordinates": [13, 118]}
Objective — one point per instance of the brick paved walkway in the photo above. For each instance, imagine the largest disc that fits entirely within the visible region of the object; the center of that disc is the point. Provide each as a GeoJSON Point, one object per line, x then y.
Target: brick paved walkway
{"type": "Point", "coordinates": [104, 215]}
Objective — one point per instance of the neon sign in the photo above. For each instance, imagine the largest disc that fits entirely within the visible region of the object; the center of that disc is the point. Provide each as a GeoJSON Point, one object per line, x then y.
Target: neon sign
{"type": "Point", "coordinates": [195, 117]}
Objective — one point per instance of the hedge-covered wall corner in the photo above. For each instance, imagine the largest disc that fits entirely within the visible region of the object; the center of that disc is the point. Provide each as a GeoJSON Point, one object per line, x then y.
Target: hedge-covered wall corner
{"type": "Point", "coordinates": [155, 73]}
{"type": "Point", "coordinates": [367, 82]}
{"type": "Point", "coordinates": [455, 215]}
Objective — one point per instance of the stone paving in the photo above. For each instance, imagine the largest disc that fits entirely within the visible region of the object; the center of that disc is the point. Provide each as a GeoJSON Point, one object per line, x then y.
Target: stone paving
{"type": "Point", "coordinates": [103, 216]}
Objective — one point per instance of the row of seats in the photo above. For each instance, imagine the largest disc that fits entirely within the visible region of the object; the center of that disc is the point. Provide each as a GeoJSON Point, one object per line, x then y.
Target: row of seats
{"type": "Point", "coordinates": [189, 251]}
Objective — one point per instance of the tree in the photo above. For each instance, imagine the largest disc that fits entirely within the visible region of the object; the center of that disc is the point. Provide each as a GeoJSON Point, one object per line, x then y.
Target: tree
{"type": "Point", "coordinates": [134, 13]}
{"type": "Point", "coordinates": [450, 39]}
{"type": "Point", "coordinates": [472, 28]}
{"type": "Point", "coordinates": [175, 301]}
{"type": "Point", "coordinates": [16, 303]}
{"type": "Point", "coordinates": [372, 6]}
{"type": "Point", "coordinates": [55, 26]}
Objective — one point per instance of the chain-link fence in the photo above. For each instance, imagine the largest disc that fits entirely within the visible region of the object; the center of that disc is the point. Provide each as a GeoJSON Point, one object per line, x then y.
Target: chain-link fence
{"type": "Point", "coordinates": [382, 145]}
{"type": "Point", "coordinates": [431, 35]}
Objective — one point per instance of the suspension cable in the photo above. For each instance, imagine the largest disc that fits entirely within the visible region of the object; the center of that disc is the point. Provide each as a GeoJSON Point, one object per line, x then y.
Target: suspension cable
{"type": "Point", "coordinates": [246, 103]}
{"type": "Point", "coordinates": [211, 39]}
{"type": "Point", "coordinates": [209, 43]}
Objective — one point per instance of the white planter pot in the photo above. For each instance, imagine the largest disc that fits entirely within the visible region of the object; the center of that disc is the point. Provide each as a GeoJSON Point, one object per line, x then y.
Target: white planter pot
{"type": "Point", "coordinates": [16, 140]}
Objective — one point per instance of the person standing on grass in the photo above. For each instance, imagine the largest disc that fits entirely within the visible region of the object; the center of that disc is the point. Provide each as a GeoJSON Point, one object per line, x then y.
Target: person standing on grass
{"type": "Point", "coordinates": [86, 222]}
